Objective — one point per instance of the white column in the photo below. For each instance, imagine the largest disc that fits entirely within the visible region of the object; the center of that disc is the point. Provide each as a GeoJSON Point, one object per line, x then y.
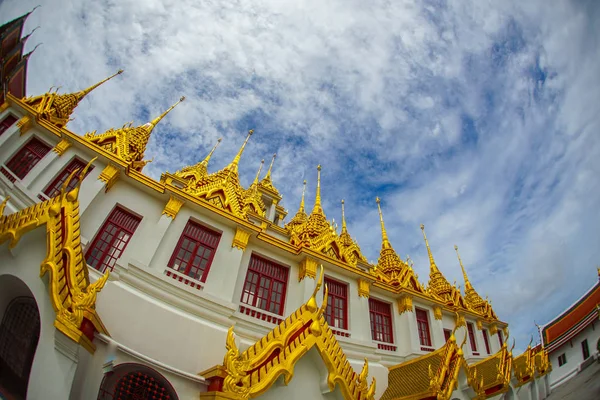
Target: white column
{"type": "Point", "coordinates": [90, 188]}
{"type": "Point", "coordinates": [228, 272]}
{"type": "Point", "coordinates": [437, 331]}
{"type": "Point", "coordinates": [360, 320]}
{"type": "Point", "coordinates": [153, 235]}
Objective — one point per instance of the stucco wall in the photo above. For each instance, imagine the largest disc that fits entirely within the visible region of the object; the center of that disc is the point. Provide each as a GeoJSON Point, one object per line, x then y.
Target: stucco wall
{"type": "Point", "coordinates": [574, 354]}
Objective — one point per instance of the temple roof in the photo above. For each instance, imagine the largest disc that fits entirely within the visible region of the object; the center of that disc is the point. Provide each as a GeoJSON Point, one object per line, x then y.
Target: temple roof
{"type": "Point", "coordinates": [491, 376]}
{"type": "Point", "coordinates": [266, 183]}
{"type": "Point", "coordinates": [128, 142]}
{"type": "Point", "coordinates": [193, 173]}
{"type": "Point", "coordinates": [57, 108]}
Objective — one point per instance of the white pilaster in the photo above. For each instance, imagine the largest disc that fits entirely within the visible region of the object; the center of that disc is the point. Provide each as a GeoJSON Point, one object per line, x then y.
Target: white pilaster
{"type": "Point", "coordinates": [358, 310]}
{"type": "Point", "coordinates": [90, 188]}
{"type": "Point", "coordinates": [32, 180]}
{"type": "Point", "coordinates": [437, 331]}
{"type": "Point", "coordinates": [221, 280]}
{"type": "Point", "coordinates": [153, 235]}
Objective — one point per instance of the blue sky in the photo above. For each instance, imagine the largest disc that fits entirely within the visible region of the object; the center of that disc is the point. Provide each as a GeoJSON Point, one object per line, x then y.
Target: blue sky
{"type": "Point", "coordinates": [477, 118]}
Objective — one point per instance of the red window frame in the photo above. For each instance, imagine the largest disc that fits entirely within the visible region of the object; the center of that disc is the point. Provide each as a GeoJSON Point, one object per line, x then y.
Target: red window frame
{"type": "Point", "coordinates": [112, 239]}
{"type": "Point", "coordinates": [380, 314]}
{"type": "Point", "coordinates": [447, 334]}
{"type": "Point", "coordinates": [8, 121]}
{"type": "Point", "coordinates": [500, 338]}
{"type": "Point", "coordinates": [25, 159]}
{"type": "Point", "coordinates": [472, 339]}
{"type": "Point", "coordinates": [486, 340]}
{"type": "Point", "coordinates": [195, 251]}
{"type": "Point", "coordinates": [423, 327]}
{"type": "Point", "coordinates": [336, 313]}
{"type": "Point", "coordinates": [265, 285]}
{"type": "Point", "coordinates": [55, 187]}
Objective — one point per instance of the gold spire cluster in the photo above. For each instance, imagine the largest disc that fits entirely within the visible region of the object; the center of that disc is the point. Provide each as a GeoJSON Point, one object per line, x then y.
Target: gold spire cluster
{"type": "Point", "coordinates": [472, 298]}
{"type": "Point", "coordinates": [197, 171]}
{"type": "Point", "coordinates": [316, 232]}
{"type": "Point", "coordinates": [57, 108]}
{"type": "Point", "coordinates": [266, 183]}
{"type": "Point", "coordinates": [438, 285]}
{"type": "Point", "coordinates": [390, 267]}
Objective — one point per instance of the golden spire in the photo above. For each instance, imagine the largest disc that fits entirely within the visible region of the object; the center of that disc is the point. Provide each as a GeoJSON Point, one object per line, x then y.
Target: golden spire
{"type": "Point", "coordinates": [467, 283]}
{"type": "Point", "coordinates": [207, 158]}
{"type": "Point", "coordinates": [262, 162]}
{"type": "Point", "coordinates": [268, 176]}
{"type": "Point", "coordinates": [431, 260]}
{"type": "Point", "coordinates": [156, 120]}
{"type": "Point", "coordinates": [234, 164]}
{"type": "Point", "coordinates": [384, 237]}
{"type": "Point", "coordinates": [344, 229]}
{"type": "Point", "coordinates": [301, 208]}
{"type": "Point", "coordinates": [317, 206]}
{"type": "Point", "coordinates": [85, 92]}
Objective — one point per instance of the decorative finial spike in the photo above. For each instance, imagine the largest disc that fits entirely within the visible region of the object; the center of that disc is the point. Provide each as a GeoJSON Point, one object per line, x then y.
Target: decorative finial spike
{"type": "Point", "coordinates": [156, 120]}
{"type": "Point", "coordinates": [262, 162]}
{"type": "Point", "coordinates": [467, 283]}
{"type": "Point", "coordinates": [344, 228]}
{"type": "Point", "coordinates": [385, 241]}
{"type": "Point", "coordinates": [301, 208]}
{"type": "Point", "coordinates": [207, 158]}
{"type": "Point", "coordinates": [431, 260]}
{"type": "Point", "coordinates": [268, 176]}
{"type": "Point", "coordinates": [236, 160]}
{"type": "Point", "coordinates": [84, 92]}
{"type": "Point", "coordinates": [317, 207]}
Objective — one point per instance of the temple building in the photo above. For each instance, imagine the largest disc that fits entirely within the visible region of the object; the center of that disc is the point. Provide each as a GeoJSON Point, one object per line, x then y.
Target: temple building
{"type": "Point", "coordinates": [571, 339]}
{"type": "Point", "coordinates": [114, 285]}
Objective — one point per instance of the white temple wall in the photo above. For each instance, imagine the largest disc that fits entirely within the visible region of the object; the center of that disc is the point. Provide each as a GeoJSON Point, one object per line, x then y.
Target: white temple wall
{"type": "Point", "coordinates": [56, 355]}
{"type": "Point", "coordinates": [574, 354]}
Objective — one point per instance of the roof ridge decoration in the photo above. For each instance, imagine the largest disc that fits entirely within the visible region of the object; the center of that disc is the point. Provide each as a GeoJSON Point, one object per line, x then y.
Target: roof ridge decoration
{"type": "Point", "coordinates": [390, 267]}
{"type": "Point", "coordinates": [197, 171]}
{"type": "Point", "coordinates": [72, 295]}
{"type": "Point", "coordinates": [473, 300]}
{"type": "Point", "coordinates": [432, 375]}
{"type": "Point", "coordinates": [57, 108]}
{"type": "Point", "coordinates": [267, 183]}
{"type": "Point", "coordinates": [128, 142]}
{"type": "Point", "coordinates": [541, 363]}
{"type": "Point", "coordinates": [438, 286]}
{"type": "Point", "coordinates": [317, 233]}
{"type": "Point", "coordinates": [491, 376]}
{"type": "Point", "coordinates": [223, 188]}
{"type": "Point", "coordinates": [250, 373]}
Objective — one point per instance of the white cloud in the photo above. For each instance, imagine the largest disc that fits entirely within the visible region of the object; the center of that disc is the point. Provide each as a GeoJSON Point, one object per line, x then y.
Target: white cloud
{"type": "Point", "coordinates": [477, 119]}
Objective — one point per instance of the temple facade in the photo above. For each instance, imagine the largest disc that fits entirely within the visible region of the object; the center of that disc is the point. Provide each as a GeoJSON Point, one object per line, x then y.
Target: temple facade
{"type": "Point", "coordinates": [571, 339]}
{"type": "Point", "coordinates": [114, 285]}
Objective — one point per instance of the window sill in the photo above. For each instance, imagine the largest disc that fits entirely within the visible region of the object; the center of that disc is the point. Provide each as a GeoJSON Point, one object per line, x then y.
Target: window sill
{"type": "Point", "coordinates": [260, 314]}
{"type": "Point", "coordinates": [427, 349]}
{"type": "Point", "coordinates": [340, 332]}
{"type": "Point", "coordinates": [186, 280]}
{"type": "Point", "coordinates": [385, 346]}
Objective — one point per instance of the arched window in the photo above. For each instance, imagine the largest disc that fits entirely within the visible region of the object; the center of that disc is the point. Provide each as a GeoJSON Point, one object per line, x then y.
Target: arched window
{"type": "Point", "coordinates": [135, 382]}
{"type": "Point", "coordinates": [19, 335]}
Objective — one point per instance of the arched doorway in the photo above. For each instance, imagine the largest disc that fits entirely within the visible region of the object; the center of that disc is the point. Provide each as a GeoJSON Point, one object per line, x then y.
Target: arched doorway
{"type": "Point", "coordinates": [135, 382]}
{"type": "Point", "coordinates": [19, 335]}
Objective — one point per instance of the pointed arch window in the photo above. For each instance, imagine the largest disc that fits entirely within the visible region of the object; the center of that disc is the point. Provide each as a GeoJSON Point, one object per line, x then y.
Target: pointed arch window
{"type": "Point", "coordinates": [19, 336]}
{"type": "Point", "coordinates": [25, 159]}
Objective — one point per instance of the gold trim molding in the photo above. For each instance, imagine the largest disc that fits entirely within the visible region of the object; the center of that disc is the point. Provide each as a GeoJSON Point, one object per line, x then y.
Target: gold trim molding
{"type": "Point", "coordinates": [109, 175]}
{"type": "Point", "coordinates": [240, 239]}
{"type": "Point", "coordinates": [405, 304]}
{"type": "Point", "coordinates": [61, 147]}
{"type": "Point", "coordinates": [308, 267]}
{"type": "Point", "coordinates": [479, 324]}
{"type": "Point", "coordinates": [4, 106]}
{"type": "Point", "coordinates": [437, 312]}
{"type": "Point", "coordinates": [459, 320]}
{"type": "Point", "coordinates": [363, 288]}
{"type": "Point", "coordinates": [24, 124]}
{"type": "Point", "coordinates": [172, 207]}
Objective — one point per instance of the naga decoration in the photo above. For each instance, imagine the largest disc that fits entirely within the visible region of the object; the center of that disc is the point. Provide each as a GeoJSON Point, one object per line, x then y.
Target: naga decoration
{"type": "Point", "coordinates": [72, 295]}
{"type": "Point", "coordinates": [248, 374]}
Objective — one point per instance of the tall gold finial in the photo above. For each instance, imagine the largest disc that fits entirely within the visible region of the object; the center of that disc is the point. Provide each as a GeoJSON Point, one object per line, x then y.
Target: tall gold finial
{"type": "Point", "coordinates": [84, 92]}
{"type": "Point", "coordinates": [344, 229]}
{"type": "Point", "coordinates": [236, 160]}
{"type": "Point", "coordinates": [431, 260]}
{"type": "Point", "coordinates": [385, 241]}
{"type": "Point", "coordinates": [207, 158]}
{"type": "Point", "coordinates": [301, 208]}
{"type": "Point", "coordinates": [268, 176]}
{"type": "Point", "coordinates": [467, 283]}
{"type": "Point", "coordinates": [317, 207]}
{"type": "Point", "coordinates": [262, 162]}
{"type": "Point", "coordinates": [156, 120]}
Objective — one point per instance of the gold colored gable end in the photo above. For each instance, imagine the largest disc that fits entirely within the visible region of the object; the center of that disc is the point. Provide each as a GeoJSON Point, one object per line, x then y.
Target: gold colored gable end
{"type": "Point", "coordinates": [249, 374]}
{"type": "Point", "coordinates": [71, 293]}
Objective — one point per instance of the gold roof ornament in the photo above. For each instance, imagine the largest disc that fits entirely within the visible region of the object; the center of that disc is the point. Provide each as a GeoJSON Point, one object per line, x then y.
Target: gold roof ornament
{"type": "Point", "coordinates": [224, 190]}
{"type": "Point", "coordinates": [196, 171]}
{"type": "Point", "coordinates": [128, 142]}
{"type": "Point", "coordinates": [298, 221]}
{"type": "Point", "coordinates": [57, 108]}
{"type": "Point", "coordinates": [390, 267]}
{"type": "Point", "coordinates": [252, 197]}
{"type": "Point", "coordinates": [350, 249]}
{"type": "Point", "coordinates": [438, 285]}
{"type": "Point", "coordinates": [472, 298]}
{"type": "Point", "coordinates": [491, 376]}
{"type": "Point", "coordinates": [266, 183]}
{"type": "Point", "coordinates": [246, 375]}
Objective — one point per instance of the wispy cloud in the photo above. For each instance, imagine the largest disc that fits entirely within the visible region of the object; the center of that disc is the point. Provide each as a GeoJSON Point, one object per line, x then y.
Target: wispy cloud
{"type": "Point", "coordinates": [479, 119]}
